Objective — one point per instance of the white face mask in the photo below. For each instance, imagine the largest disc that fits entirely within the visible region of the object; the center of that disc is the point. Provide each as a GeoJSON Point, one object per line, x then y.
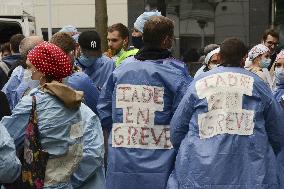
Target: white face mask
{"type": "Point", "coordinates": [27, 75]}
{"type": "Point", "coordinates": [279, 75]}
{"type": "Point", "coordinates": [28, 79]}
{"type": "Point", "coordinates": [212, 66]}
{"type": "Point", "coordinates": [248, 63]}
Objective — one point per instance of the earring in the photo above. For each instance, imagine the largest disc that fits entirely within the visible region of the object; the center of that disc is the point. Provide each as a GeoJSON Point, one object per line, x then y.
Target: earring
{"type": "Point", "coordinates": [42, 79]}
{"type": "Point", "coordinates": [124, 45]}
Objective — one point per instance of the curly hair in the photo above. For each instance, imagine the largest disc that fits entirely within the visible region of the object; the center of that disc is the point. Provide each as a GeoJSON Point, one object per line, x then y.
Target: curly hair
{"type": "Point", "coordinates": [64, 41]}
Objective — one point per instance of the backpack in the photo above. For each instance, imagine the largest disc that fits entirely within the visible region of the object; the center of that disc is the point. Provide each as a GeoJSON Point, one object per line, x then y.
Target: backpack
{"type": "Point", "coordinates": [32, 157]}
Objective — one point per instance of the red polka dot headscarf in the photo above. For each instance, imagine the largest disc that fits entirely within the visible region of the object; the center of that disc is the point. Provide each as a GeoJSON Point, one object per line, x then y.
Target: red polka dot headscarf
{"type": "Point", "coordinates": [50, 60]}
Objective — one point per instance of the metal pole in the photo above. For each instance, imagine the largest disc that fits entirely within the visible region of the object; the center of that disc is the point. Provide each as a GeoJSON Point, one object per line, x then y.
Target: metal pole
{"type": "Point", "coordinates": [49, 20]}
{"type": "Point", "coordinates": [202, 23]}
{"type": "Point", "coordinates": [202, 38]}
{"type": "Point", "coordinates": [178, 55]}
{"type": "Point", "coordinates": [272, 14]}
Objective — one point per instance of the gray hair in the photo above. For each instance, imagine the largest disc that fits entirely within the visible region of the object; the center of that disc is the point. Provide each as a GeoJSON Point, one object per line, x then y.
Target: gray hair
{"type": "Point", "coordinates": [29, 43]}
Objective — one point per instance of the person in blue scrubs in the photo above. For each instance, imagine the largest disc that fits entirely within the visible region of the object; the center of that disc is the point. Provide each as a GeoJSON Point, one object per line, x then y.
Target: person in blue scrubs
{"type": "Point", "coordinates": [135, 108]}
{"type": "Point", "coordinates": [10, 165]}
{"type": "Point", "coordinates": [227, 129]}
{"type": "Point", "coordinates": [95, 64]}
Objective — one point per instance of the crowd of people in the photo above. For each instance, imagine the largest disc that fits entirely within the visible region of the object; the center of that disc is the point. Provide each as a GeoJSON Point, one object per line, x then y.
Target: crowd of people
{"type": "Point", "coordinates": [73, 116]}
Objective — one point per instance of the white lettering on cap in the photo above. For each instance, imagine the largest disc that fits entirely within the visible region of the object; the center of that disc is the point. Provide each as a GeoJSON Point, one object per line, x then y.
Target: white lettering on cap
{"type": "Point", "coordinates": [93, 44]}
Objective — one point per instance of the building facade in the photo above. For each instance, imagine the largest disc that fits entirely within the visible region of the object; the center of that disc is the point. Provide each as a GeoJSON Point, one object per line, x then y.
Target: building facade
{"type": "Point", "coordinates": [201, 22]}
{"type": "Point", "coordinates": [197, 22]}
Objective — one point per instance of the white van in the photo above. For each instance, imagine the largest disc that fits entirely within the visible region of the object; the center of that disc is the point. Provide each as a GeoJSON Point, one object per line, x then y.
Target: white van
{"type": "Point", "coordinates": [14, 24]}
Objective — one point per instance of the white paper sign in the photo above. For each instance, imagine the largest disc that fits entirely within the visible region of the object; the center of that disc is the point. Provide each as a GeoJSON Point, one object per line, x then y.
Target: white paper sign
{"type": "Point", "coordinates": [137, 136]}
{"type": "Point", "coordinates": [139, 104]}
{"type": "Point", "coordinates": [59, 169]}
{"type": "Point", "coordinates": [224, 93]}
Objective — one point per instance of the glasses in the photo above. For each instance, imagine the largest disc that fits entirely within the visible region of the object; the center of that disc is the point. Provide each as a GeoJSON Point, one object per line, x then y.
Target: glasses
{"type": "Point", "coordinates": [270, 43]}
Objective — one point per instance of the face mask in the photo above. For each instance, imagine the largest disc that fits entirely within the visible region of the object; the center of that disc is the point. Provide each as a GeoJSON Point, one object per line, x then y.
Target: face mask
{"type": "Point", "coordinates": [248, 63]}
{"type": "Point", "coordinates": [28, 79]}
{"type": "Point", "coordinates": [264, 63]}
{"type": "Point", "coordinates": [171, 49]}
{"type": "Point", "coordinates": [214, 66]}
{"type": "Point", "coordinates": [279, 75]}
{"type": "Point", "coordinates": [27, 75]}
{"type": "Point", "coordinates": [87, 61]}
{"type": "Point", "coordinates": [137, 42]}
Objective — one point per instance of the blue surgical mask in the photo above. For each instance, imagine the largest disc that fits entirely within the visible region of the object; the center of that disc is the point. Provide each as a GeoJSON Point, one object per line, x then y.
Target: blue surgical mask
{"type": "Point", "coordinates": [279, 75]}
{"type": "Point", "coordinates": [137, 42]}
{"type": "Point", "coordinates": [87, 61]}
{"type": "Point", "coordinates": [265, 63]}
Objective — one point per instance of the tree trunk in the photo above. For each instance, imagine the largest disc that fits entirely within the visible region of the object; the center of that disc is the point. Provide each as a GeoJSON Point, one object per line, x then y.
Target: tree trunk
{"type": "Point", "coordinates": [101, 21]}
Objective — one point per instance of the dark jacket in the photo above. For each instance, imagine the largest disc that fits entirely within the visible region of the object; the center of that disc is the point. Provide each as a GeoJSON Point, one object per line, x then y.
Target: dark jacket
{"type": "Point", "coordinates": [4, 110]}
{"type": "Point", "coordinates": [11, 61]}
